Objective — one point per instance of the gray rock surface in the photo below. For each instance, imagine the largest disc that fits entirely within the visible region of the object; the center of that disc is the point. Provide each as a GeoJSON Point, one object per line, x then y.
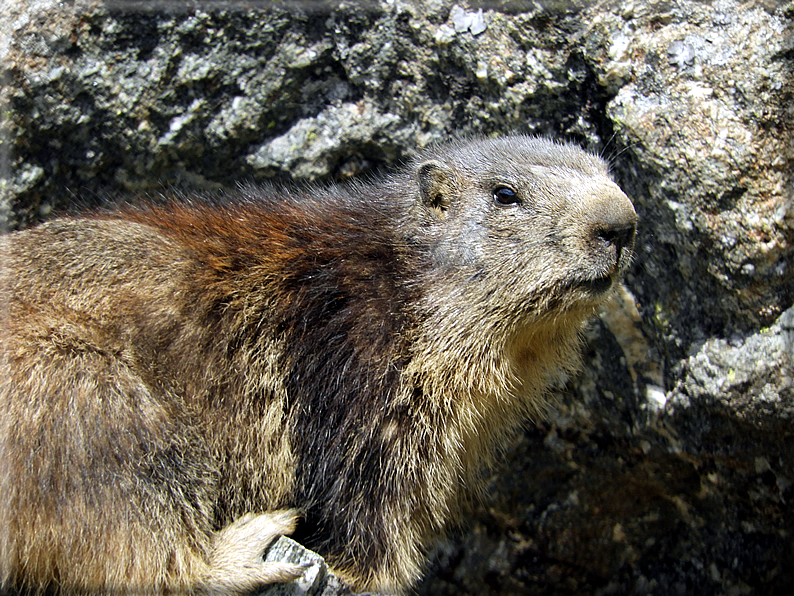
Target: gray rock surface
{"type": "Point", "coordinates": [316, 580]}
{"type": "Point", "coordinates": [666, 467]}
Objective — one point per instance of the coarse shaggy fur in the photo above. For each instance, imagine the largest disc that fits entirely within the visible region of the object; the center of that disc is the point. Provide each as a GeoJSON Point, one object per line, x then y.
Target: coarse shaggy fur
{"type": "Point", "coordinates": [182, 382]}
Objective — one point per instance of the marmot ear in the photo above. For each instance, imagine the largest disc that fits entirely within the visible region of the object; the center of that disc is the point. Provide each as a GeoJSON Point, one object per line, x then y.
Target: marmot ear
{"type": "Point", "coordinates": [436, 184]}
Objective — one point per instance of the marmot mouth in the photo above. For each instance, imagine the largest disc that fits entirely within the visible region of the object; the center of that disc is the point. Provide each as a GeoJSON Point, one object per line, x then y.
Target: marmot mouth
{"type": "Point", "coordinates": [598, 285]}
{"type": "Point", "coordinates": [588, 290]}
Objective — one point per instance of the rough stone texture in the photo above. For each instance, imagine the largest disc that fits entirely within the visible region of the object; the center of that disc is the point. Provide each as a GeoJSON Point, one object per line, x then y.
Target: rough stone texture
{"type": "Point", "coordinates": [667, 466]}
{"type": "Point", "coordinates": [316, 580]}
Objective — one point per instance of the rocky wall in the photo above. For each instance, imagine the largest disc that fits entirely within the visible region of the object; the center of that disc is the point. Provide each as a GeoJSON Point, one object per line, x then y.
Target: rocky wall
{"type": "Point", "coordinates": [667, 466]}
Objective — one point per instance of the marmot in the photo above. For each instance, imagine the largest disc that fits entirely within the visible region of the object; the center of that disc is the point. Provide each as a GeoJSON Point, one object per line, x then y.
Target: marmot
{"type": "Point", "coordinates": [183, 381]}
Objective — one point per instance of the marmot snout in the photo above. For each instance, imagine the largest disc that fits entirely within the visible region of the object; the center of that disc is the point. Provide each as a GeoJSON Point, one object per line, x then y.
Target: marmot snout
{"type": "Point", "coordinates": [178, 377]}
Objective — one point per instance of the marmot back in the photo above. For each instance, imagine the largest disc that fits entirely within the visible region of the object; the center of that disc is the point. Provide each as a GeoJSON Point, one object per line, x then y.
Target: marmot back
{"type": "Point", "coordinates": [178, 380]}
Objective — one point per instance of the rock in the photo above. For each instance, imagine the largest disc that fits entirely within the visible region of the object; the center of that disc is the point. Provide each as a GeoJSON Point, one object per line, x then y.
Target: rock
{"type": "Point", "coordinates": [467, 21]}
{"type": "Point", "coordinates": [316, 580]}
{"type": "Point", "coordinates": [667, 465]}
{"type": "Point", "coordinates": [314, 575]}
{"type": "Point", "coordinates": [750, 376]}
{"type": "Point", "coordinates": [309, 148]}
{"type": "Point", "coordinates": [698, 106]}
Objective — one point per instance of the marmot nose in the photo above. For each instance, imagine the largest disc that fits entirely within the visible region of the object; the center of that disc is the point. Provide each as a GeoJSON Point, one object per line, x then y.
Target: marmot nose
{"type": "Point", "coordinates": [613, 240]}
{"type": "Point", "coordinates": [611, 231]}
{"type": "Point", "coordinates": [619, 235]}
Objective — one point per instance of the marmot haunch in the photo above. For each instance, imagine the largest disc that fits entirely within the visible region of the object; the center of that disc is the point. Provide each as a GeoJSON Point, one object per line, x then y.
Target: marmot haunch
{"type": "Point", "coordinates": [184, 381]}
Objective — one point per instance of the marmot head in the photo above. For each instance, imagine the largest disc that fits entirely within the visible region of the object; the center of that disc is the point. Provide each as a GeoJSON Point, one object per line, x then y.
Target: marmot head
{"type": "Point", "coordinates": [530, 225]}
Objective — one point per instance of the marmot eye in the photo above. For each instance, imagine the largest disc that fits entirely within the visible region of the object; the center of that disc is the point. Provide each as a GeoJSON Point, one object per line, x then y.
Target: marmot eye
{"type": "Point", "coordinates": [505, 196]}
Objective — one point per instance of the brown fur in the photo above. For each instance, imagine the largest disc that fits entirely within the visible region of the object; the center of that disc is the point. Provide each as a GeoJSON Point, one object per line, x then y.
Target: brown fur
{"type": "Point", "coordinates": [175, 378]}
